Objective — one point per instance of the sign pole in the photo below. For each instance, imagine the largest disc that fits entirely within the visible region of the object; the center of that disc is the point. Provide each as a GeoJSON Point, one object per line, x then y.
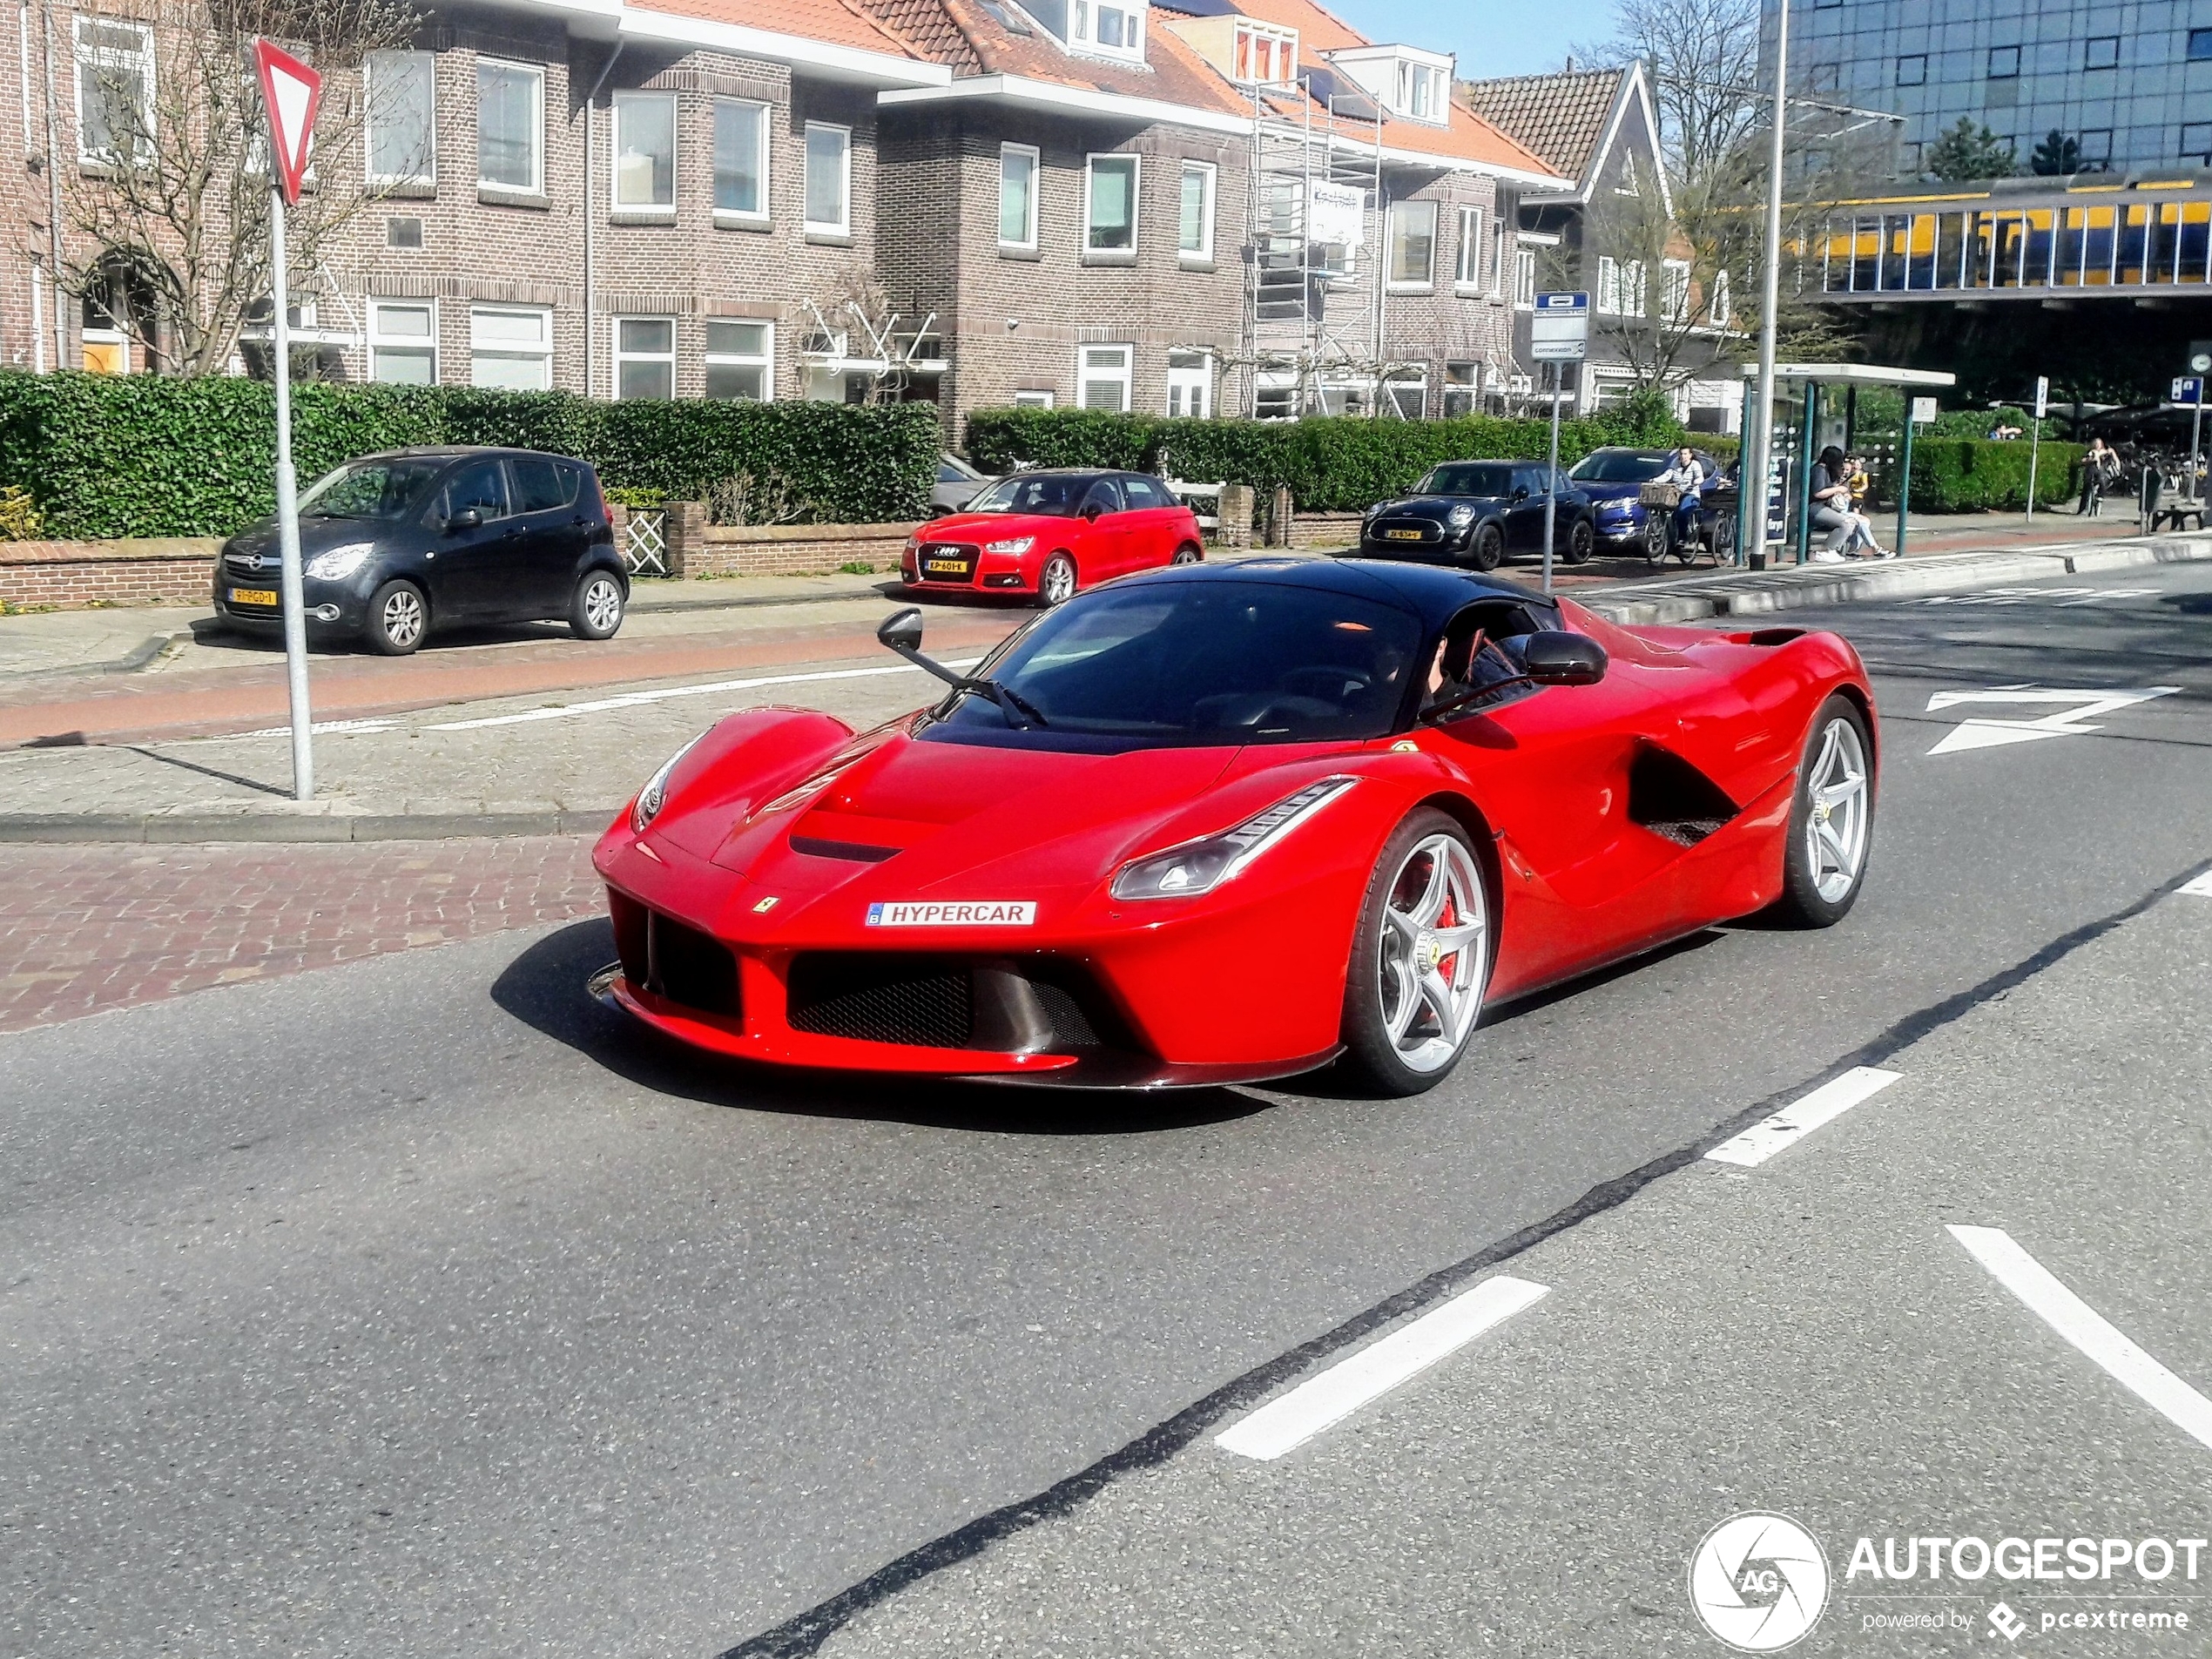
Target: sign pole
{"type": "Point", "coordinates": [287, 504]}
{"type": "Point", "coordinates": [2197, 429]}
{"type": "Point", "coordinates": [1551, 482]}
{"type": "Point", "coordinates": [2035, 436]}
{"type": "Point", "coordinates": [1905, 477]}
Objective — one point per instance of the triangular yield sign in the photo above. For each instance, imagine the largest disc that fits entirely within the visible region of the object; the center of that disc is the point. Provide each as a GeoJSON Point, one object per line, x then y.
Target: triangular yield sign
{"type": "Point", "coordinates": [290, 92]}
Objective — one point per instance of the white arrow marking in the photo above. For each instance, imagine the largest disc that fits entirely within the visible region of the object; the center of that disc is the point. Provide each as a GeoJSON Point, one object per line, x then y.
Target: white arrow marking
{"type": "Point", "coordinates": [1982, 731]}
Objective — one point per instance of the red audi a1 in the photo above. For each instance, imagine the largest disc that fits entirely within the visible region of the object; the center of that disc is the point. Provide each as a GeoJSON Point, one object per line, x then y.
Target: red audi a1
{"type": "Point", "coordinates": [1049, 534]}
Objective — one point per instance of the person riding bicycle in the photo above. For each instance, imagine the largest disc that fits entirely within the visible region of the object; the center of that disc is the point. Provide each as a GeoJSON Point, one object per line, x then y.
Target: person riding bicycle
{"type": "Point", "coordinates": [1687, 474]}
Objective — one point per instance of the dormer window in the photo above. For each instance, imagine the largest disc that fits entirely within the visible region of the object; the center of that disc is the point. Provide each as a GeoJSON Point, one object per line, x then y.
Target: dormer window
{"type": "Point", "coordinates": [1113, 27]}
{"type": "Point", "coordinates": [1265, 55]}
{"type": "Point", "coordinates": [1419, 91]}
{"type": "Point", "coordinates": [1413, 85]}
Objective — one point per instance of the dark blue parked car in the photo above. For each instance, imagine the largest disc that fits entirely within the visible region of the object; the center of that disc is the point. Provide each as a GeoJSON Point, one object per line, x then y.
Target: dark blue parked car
{"type": "Point", "coordinates": [1479, 512]}
{"type": "Point", "coordinates": [1612, 476]}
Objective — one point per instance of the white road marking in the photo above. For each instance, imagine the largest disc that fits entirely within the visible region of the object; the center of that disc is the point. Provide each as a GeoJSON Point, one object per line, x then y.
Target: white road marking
{"type": "Point", "coordinates": [1283, 1423]}
{"type": "Point", "coordinates": [322, 726]}
{"type": "Point", "coordinates": [1983, 731]}
{"type": "Point", "coordinates": [2198, 888]}
{"type": "Point", "coordinates": [1800, 1117]}
{"type": "Point", "coordinates": [2063, 597]}
{"type": "Point", "coordinates": [2089, 1330]}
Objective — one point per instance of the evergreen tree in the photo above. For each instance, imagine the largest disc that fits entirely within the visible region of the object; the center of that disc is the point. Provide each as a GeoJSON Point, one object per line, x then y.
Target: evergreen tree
{"type": "Point", "coordinates": [2057, 155]}
{"type": "Point", "coordinates": [1966, 154]}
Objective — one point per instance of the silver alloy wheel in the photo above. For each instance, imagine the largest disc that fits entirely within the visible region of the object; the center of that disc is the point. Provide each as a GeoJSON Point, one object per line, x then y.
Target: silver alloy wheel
{"type": "Point", "coordinates": [1836, 827]}
{"type": "Point", "coordinates": [603, 604]}
{"type": "Point", "coordinates": [1186, 555]}
{"type": "Point", "coordinates": [1059, 581]}
{"type": "Point", "coordinates": [402, 617]}
{"type": "Point", "coordinates": [1434, 954]}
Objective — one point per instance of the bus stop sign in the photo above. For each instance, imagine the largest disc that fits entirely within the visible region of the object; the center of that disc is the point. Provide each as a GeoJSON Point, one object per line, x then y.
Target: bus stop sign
{"type": "Point", "coordinates": [1559, 331]}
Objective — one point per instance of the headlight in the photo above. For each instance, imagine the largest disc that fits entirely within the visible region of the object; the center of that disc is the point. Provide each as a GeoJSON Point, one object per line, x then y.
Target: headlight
{"type": "Point", "coordinates": [1012, 544]}
{"type": "Point", "coordinates": [1201, 866]}
{"type": "Point", "coordinates": [336, 564]}
{"type": "Point", "coordinates": [654, 795]}
{"type": "Point", "coordinates": [1460, 518]}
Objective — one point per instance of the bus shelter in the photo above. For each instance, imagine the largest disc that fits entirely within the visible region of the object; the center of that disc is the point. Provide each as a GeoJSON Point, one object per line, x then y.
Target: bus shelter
{"type": "Point", "coordinates": [1828, 393]}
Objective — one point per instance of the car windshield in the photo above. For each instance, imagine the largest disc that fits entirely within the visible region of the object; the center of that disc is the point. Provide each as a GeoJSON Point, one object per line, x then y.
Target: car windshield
{"type": "Point", "coordinates": [1467, 478]}
{"type": "Point", "coordinates": [1186, 663]}
{"type": "Point", "coordinates": [371, 488]}
{"type": "Point", "coordinates": [1056, 495]}
{"type": "Point", "coordinates": [1619, 467]}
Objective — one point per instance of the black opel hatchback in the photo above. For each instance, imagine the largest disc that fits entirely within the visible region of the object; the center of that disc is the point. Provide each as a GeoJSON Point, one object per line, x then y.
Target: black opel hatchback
{"type": "Point", "coordinates": [392, 546]}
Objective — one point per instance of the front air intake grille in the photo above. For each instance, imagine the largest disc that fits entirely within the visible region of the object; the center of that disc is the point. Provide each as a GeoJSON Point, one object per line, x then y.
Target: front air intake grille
{"type": "Point", "coordinates": [1071, 1027]}
{"type": "Point", "coordinates": [923, 1001]}
{"type": "Point", "coordinates": [686, 965]}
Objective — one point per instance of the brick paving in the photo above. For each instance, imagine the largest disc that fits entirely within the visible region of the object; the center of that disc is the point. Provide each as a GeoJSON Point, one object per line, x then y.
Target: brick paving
{"type": "Point", "coordinates": [87, 929]}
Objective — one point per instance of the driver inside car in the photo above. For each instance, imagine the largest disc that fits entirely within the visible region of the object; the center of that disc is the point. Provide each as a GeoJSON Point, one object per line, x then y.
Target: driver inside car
{"type": "Point", "coordinates": [1468, 662]}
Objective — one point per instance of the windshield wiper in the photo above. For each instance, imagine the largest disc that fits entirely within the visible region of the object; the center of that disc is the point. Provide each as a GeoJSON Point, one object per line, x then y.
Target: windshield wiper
{"type": "Point", "coordinates": [1008, 698]}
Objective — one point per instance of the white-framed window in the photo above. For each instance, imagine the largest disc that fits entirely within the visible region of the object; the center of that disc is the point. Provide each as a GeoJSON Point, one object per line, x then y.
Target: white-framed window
{"type": "Point", "coordinates": [1405, 393]}
{"type": "Point", "coordinates": [1462, 388]}
{"type": "Point", "coordinates": [1420, 91]}
{"type": "Point", "coordinates": [1467, 262]}
{"type": "Point", "coordinates": [740, 161]}
{"type": "Point", "coordinates": [114, 89]}
{"type": "Point", "coordinates": [1524, 277]}
{"type": "Point", "coordinates": [1722, 314]}
{"type": "Point", "coordinates": [1620, 287]}
{"type": "Point", "coordinates": [403, 341]}
{"type": "Point", "coordinates": [1034, 399]}
{"type": "Point", "coordinates": [741, 361]}
{"type": "Point", "coordinates": [1265, 54]}
{"type": "Point", "coordinates": [1019, 165]}
{"type": "Point", "coordinates": [1191, 382]}
{"type": "Point", "coordinates": [510, 127]}
{"type": "Point", "coordinates": [511, 347]}
{"type": "Point", "coordinates": [1674, 283]}
{"type": "Point", "coordinates": [1194, 219]}
{"type": "Point", "coordinates": [1109, 206]}
{"type": "Point", "coordinates": [829, 179]}
{"type": "Point", "coordinates": [1116, 27]}
{"type": "Point", "coordinates": [645, 357]}
{"type": "Point", "coordinates": [402, 116]}
{"type": "Point", "coordinates": [1626, 184]}
{"type": "Point", "coordinates": [1413, 245]}
{"type": "Point", "coordinates": [1102, 377]}
{"type": "Point", "coordinates": [645, 152]}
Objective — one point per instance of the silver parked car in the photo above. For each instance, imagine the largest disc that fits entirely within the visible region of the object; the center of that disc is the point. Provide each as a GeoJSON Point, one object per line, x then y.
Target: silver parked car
{"type": "Point", "coordinates": [956, 484]}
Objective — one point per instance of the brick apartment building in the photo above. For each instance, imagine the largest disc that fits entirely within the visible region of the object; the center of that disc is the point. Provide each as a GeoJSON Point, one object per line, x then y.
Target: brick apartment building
{"type": "Point", "coordinates": [973, 201]}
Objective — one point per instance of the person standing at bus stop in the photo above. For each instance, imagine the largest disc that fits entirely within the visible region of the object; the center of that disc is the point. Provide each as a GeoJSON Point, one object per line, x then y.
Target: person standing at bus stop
{"type": "Point", "coordinates": [2100, 470]}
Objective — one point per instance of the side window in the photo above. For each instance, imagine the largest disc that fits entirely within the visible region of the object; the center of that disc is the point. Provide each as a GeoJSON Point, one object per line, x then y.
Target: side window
{"type": "Point", "coordinates": [1144, 495]}
{"type": "Point", "coordinates": [539, 487]}
{"type": "Point", "coordinates": [481, 484]}
{"type": "Point", "coordinates": [1105, 495]}
{"type": "Point", "coordinates": [948, 473]}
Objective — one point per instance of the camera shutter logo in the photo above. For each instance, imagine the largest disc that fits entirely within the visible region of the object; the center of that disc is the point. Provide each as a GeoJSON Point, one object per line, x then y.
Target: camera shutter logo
{"type": "Point", "coordinates": [1758, 1581]}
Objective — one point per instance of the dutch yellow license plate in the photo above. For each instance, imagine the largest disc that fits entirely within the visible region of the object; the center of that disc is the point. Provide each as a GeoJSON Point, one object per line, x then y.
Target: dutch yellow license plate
{"type": "Point", "coordinates": [253, 596]}
{"type": "Point", "coordinates": [946, 567]}
{"type": "Point", "coordinates": [1402, 536]}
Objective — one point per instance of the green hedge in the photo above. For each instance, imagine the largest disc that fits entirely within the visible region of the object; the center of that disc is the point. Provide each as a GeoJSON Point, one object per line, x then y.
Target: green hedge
{"type": "Point", "coordinates": [110, 455]}
{"type": "Point", "coordinates": [1977, 475]}
{"type": "Point", "coordinates": [1333, 463]}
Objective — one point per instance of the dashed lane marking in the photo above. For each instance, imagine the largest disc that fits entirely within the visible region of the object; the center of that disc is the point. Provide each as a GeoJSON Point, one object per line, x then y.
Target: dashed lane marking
{"type": "Point", "coordinates": [1284, 1424]}
{"type": "Point", "coordinates": [1799, 1118]}
{"type": "Point", "coordinates": [2089, 1330]}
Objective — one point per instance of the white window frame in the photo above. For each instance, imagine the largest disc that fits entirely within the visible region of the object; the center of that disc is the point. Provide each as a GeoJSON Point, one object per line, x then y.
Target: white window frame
{"type": "Point", "coordinates": [120, 61]}
{"type": "Point", "coordinates": [1202, 255]}
{"type": "Point", "coordinates": [1035, 157]}
{"type": "Point", "coordinates": [1463, 378]}
{"type": "Point", "coordinates": [1674, 290]}
{"type": "Point", "coordinates": [1114, 255]}
{"type": "Point", "coordinates": [507, 352]}
{"type": "Point", "coordinates": [1467, 254]}
{"type": "Point", "coordinates": [1088, 374]}
{"type": "Point", "coordinates": [1195, 382]}
{"type": "Point", "coordinates": [764, 361]}
{"type": "Point", "coordinates": [1722, 313]}
{"type": "Point", "coordinates": [1244, 52]}
{"type": "Point", "coordinates": [535, 72]}
{"type": "Point", "coordinates": [843, 225]}
{"type": "Point", "coordinates": [429, 175]}
{"type": "Point", "coordinates": [638, 99]}
{"type": "Point", "coordinates": [413, 345]}
{"type": "Point", "coordinates": [1035, 398]}
{"type": "Point", "coordinates": [617, 356]}
{"type": "Point", "coordinates": [1082, 26]}
{"type": "Point", "coordinates": [1410, 285]}
{"type": "Point", "coordinates": [1391, 383]}
{"type": "Point", "coordinates": [1524, 277]}
{"type": "Point", "coordinates": [1418, 87]}
{"type": "Point", "coordinates": [765, 129]}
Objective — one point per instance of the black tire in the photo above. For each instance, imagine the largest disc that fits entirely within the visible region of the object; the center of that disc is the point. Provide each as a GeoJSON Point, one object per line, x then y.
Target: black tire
{"type": "Point", "coordinates": [1373, 1056]}
{"type": "Point", "coordinates": [1488, 547]}
{"type": "Point", "coordinates": [399, 619]}
{"type": "Point", "coordinates": [1722, 539]}
{"type": "Point", "coordinates": [1655, 535]}
{"type": "Point", "coordinates": [596, 608]}
{"type": "Point", "coordinates": [1581, 541]}
{"type": "Point", "coordinates": [1056, 582]}
{"type": "Point", "coordinates": [1813, 894]}
{"type": "Point", "coordinates": [1186, 554]}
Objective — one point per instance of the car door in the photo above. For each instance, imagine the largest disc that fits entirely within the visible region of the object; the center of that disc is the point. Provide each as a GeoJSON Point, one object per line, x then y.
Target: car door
{"type": "Point", "coordinates": [551, 534]}
{"type": "Point", "coordinates": [1104, 552]}
{"type": "Point", "coordinates": [1525, 511]}
{"type": "Point", "coordinates": [1155, 522]}
{"type": "Point", "coordinates": [473, 564]}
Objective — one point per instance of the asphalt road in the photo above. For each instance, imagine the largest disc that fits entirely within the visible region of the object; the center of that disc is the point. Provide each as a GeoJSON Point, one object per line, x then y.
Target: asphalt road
{"type": "Point", "coordinates": [419, 1306]}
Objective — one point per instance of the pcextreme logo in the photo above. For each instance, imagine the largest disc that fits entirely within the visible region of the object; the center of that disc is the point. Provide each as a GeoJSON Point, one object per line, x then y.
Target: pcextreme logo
{"type": "Point", "coordinates": [1758, 1581]}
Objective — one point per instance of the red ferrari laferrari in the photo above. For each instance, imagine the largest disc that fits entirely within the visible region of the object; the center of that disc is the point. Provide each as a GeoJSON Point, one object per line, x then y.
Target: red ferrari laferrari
{"type": "Point", "coordinates": [1227, 823]}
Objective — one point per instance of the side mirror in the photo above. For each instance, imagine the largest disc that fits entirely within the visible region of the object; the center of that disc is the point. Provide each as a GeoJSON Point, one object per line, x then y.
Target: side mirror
{"type": "Point", "coordinates": [1520, 492]}
{"type": "Point", "coordinates": [902, 630]}
{"type": "Point", "coordinates": [467, 519]}
{"type": "Point", "coordinates": [1557, 658]}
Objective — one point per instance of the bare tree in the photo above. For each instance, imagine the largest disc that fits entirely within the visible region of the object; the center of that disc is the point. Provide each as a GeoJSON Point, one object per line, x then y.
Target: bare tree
{"type": "Point", "coordinates": [851, 315]}
{"type": "Point", "coordinates": [169, 208]}
{"type": "Point", "coordinates": [1703, 59]}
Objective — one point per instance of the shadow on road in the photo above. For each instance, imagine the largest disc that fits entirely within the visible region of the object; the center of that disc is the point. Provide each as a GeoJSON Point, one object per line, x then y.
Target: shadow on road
{"type": "Point", "coordinates": [544, 988]}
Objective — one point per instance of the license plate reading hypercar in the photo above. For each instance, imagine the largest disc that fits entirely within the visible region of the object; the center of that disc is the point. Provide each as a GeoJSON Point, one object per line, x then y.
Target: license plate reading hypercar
{"type": "Point", "coordinates": [253, 596]}
{"type": "Point", "coordinates": [1403, 536]}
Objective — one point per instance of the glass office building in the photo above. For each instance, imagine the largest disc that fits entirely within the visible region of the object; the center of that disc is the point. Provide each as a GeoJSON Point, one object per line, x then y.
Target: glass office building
{"type": "Point", "coordinates": [2131, 82]}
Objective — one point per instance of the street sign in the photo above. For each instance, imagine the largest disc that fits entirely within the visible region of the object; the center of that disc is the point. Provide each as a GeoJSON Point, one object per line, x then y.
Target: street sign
{"type": "Point", "coordinates": [2189, 391]}
{"type": "Point", "coordinates": [1560, 330]}
{"type": "Point", "coordinates": [1924, 411]}
{"type": "Point", "coordinates": [2042, 395]}
{"type": "Point", "coordinates": [290, 92]}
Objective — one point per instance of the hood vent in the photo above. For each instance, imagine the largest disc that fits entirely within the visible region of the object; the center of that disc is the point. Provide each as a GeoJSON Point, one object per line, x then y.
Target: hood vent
{"type": "Point", "coordinates": [856, 852]}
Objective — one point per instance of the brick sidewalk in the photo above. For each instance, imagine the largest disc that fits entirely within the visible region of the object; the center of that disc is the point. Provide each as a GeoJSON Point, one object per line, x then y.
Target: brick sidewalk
{"type": "Point", "coordinates": [87, 929]}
